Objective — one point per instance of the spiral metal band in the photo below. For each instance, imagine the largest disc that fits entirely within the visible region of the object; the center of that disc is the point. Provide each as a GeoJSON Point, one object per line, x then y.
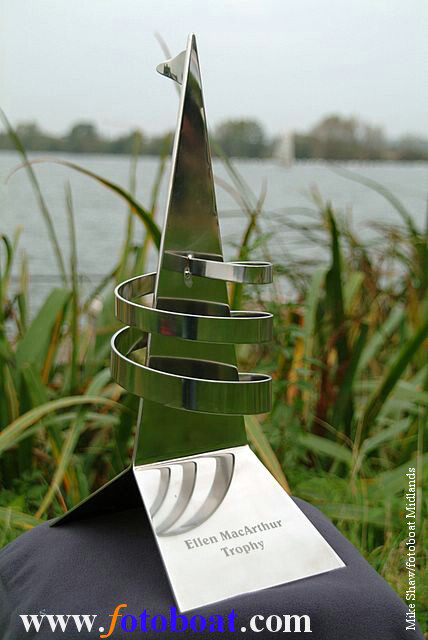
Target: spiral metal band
{"type": "Point", "coordinates": [185, 383]}
{"type": "Point", "coordinates": [245, 272]}
{"type": "Point", "coordinates": [249, 395]}
{"type": "Point", "coordinates": [241, 327]}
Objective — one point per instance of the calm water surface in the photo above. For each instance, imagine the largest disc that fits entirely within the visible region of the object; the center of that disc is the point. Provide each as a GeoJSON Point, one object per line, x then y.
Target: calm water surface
{"type": "Point", "coordinates": [101, 215]}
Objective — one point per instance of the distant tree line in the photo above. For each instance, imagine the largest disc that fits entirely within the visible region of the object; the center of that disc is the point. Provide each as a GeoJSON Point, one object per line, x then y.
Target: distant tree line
{"type": "Point", "coordinates": [338, 138]}
{"type": "Point", "coordinates": [333, 138]}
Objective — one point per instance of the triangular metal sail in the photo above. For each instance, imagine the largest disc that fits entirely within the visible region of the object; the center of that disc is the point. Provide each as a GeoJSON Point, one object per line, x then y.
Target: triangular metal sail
{"type": "Point", "coordinates": [191, 227]}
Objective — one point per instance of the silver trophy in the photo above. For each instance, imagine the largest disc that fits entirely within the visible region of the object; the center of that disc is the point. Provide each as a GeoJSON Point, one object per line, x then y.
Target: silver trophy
{"type": "Point", "coordinates": [223, 524]}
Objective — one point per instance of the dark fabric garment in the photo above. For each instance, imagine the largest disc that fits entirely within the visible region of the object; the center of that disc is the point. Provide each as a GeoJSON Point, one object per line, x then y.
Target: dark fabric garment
{"type": "Point", "coordinates": [91, 566]}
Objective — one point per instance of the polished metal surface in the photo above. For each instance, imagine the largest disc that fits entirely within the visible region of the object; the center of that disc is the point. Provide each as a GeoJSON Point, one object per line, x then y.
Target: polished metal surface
{"type": "Point", "coordinates": [185, 493]}
{"type": "Point", "coordinates": [186, 383]}
{"type": "Point", "coordinates": [222, 533]}
{"type": "Point", "coordinates": [197, 265]}
{"type": "Point", "coordinates": [194, 397]}
{"type": "Point", "coordinates": [241, 327]}
{"type": "Point", "coordinates": [173, 68]}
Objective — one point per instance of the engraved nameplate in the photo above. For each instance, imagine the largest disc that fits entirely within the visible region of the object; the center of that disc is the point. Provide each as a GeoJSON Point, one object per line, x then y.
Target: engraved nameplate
{"type": "Point", "coordinates": [225, 527]}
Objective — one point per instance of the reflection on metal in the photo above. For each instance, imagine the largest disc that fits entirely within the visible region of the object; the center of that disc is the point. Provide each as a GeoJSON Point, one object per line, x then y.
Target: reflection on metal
{"type": "Point", "coordinates": [173, 68]}
{"type": "Point", "coordinates": [202, 487]}
{"type": "Point", "coordinates": [186, 383]}
{"type": "Point", "coordinates": [181, 495]}
{"type": "Point", "coordinates": [198, 320]}
{"type": "Point", "coordinates": [207, 267]}
{"type": "Point", "coordinates": [227, 531]}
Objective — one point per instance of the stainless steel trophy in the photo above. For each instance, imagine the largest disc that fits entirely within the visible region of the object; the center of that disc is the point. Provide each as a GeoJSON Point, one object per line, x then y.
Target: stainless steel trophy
{"type": "Point", "coordinates": [223, 524]}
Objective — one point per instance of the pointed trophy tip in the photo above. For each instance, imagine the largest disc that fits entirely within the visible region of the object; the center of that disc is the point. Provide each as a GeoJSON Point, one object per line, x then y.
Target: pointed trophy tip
{"type": "Point", "coordinates": [191, 42]}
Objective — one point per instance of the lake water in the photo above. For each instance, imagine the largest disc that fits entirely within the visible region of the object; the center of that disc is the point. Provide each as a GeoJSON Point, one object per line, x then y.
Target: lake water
{"type": "Point", "coordinates": [101, 215]}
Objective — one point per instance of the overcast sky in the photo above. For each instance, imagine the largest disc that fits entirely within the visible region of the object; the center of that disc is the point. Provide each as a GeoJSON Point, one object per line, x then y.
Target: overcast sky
{"type": "Point", "coordinates": [285, 62]}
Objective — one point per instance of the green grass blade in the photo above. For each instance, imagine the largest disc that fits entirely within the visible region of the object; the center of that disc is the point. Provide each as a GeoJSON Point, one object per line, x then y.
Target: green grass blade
{"type": "Point", "coordinates": [137, 208]}
{"type": "Point", "coordinates": [39, 195]}
{"type": "Point", "coordinates": [64, 460]}
{"type": "Point", "coordinates": [353, 285]}
{"type": "Point", "coordinates": [381, 336]}
{"type": "Point", "coordinates": [322, 446]}
{"type": "Point", "coordinates": [344, 397]}
{"type": "Point", "coordinates": [311, 306]}
{"type": "Point", "coordinates": [392, 482]}
{"type": "Point", "coordinates": [265, 452]}
{"type": "Point", "coordinates": [10, 393]}
{"type": "Point", "coordinates": [334, 288]}
{"type": "Point", "coordinates": [355, 513]}
{"type": "Point", "coordinates": [15, 429]}
{"type": "Point", "coordinates": [98, 289]}
{"type": "Point", "coordinates": [384, 192]}
{"type": "Point", "coordinates": [34, 345]}
{"type": "Point", "coordinates": [386, 435]}
{"type": "Point", "coordinates": [129, 228]}
{"type": "Point", "coordinates": [392, 376]}
{"type": "Point", "coordinates": [74, 291]}
{"type": "Point", "coordinates": [312, 300]}
{"type": "Point", "coordinates": [5, 271]}
{"type": "Point", "coordinates": [22, 297]}
{"type": "Point", "coordinates": [18, 519]}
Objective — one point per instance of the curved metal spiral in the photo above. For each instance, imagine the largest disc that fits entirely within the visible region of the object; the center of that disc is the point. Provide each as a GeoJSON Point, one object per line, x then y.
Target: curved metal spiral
{"type": "Point", "coordinates": [190, 383]}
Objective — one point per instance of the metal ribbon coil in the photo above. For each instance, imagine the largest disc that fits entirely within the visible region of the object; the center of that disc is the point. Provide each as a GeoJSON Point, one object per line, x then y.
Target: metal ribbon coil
{"type": "Point", "coordinates": [241, 327]}
{"type": "Point", "coordinates": [185, 383]}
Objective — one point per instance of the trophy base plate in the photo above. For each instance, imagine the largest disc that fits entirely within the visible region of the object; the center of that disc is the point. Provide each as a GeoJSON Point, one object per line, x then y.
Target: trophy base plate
{"type": "Point", "coordinates": [225, 527]}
